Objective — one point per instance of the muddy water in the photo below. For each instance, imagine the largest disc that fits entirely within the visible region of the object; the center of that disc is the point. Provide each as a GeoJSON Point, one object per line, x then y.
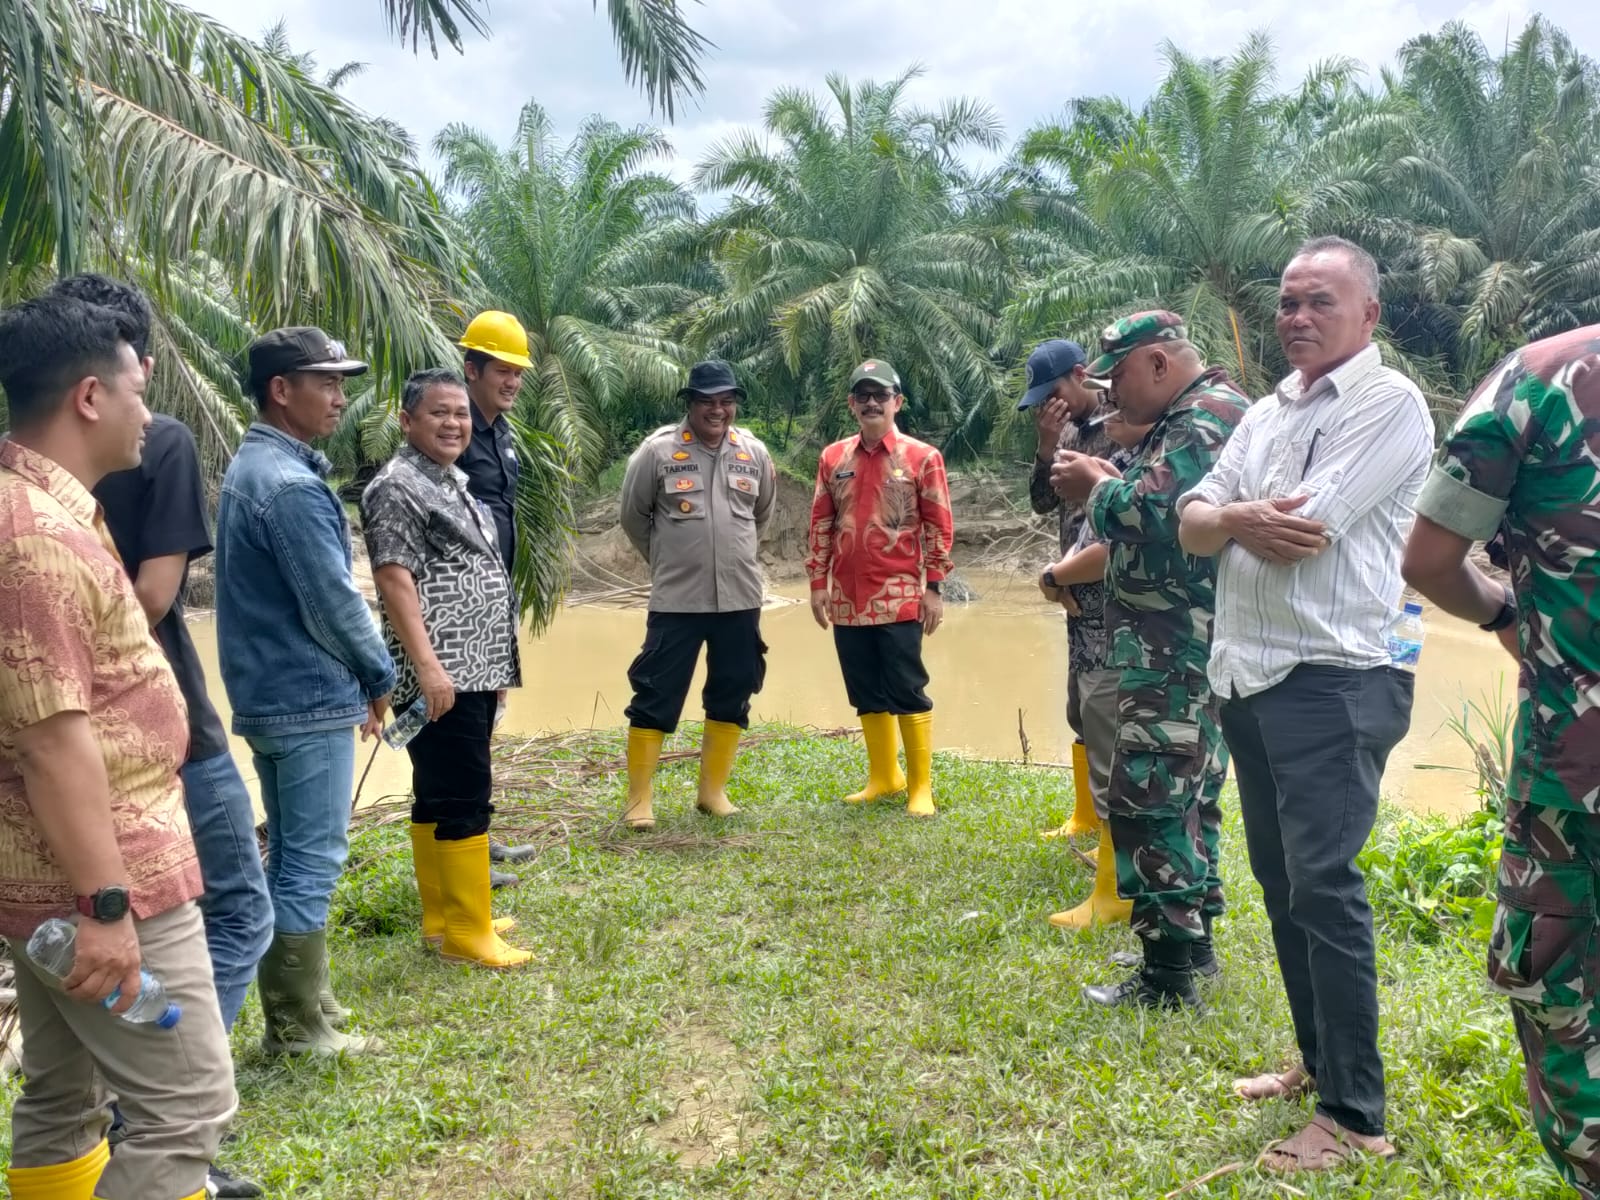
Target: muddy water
{"type": "Point", "coordinates": [996, 662]}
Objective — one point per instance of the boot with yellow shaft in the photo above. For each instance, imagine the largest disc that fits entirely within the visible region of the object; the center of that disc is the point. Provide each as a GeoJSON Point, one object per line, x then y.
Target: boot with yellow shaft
{"type": "Point", "coordinates": [644, 751]}
{"type": "Point", "coordinates": [719, 744]}
{"type": "Point", "coordinates": [1104, 906]}
{"type": "Point", "coordinates": [884, 776]}
{"type": "Point", "coordinates": [916, 730]}
{"type": "Point", "coordinates": [73, 1180]}
{"type": "Point", "coordinates": [425, 862]}
{"type": "Point", "coordinates": [469, 934]}
{"type": "Point", "coordinates": [1082, 820]}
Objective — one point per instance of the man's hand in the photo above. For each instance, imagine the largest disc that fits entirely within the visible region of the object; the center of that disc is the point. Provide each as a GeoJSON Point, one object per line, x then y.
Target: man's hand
{"type": "Point", "coordinates": [1068, 603]}
{"type": "Point", "coordinates": [1508, 639]}
{"type": "Point", "coordinates": [932, 612]}
{"type": "Point", "coordinates": [1074, 475]}
{"type": "Point", "coordinates": [376, 711]}
{"type": "Point", "coordinates": [819, 608]}
{"type": "Point", "coordinates": [1270, 531]}
{"type": "Point", "coordinates": [105, 958]}
{"type": "Point", "coordinates": [437, 690]}
{"type": "Point", "coordinates": [1050, 418]}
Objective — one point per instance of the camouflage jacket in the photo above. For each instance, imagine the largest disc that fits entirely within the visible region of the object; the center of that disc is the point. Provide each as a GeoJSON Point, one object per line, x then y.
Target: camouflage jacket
{"type": "Point", "coordinates": [1160, 600]}
{"type": "Point", "coordinates": [1521, 461]}
{"type": "Point", "coordinates": [1087, 646]}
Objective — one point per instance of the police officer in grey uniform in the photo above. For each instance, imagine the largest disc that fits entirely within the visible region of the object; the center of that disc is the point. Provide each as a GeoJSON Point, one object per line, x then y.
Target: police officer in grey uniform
{"type": "Point", "coordinates": [695, 500]}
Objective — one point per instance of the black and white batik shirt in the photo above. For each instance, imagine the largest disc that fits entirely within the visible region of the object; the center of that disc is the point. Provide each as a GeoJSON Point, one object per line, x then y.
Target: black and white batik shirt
{"type": "Point", "coordinates": [418, 514]}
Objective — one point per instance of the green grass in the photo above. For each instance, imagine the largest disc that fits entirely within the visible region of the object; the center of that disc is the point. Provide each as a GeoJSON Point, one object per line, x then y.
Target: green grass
{"type": "Point", "coordinates": [822, 1001]}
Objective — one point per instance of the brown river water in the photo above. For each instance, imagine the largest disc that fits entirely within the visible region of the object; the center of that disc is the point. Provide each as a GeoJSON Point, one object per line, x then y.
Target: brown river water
{"type": "Point", "coordinates": [1003, 653]}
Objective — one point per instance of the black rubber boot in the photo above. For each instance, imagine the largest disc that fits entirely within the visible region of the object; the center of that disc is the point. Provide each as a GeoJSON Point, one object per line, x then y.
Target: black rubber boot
{"type": "Point", "coordinates": [502, 879]}
{"type": "Point", "coordinates": [1203, 955]}
{"type": "Point", "coordinates": [502, 853]}
{"type": "Point", "coordinates": [1164, 980]}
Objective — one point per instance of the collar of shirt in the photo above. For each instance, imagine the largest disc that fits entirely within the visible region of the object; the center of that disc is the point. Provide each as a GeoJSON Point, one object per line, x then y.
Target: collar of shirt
{"type": "Point", "coordinates": [481, 423]}
{"type": "Point", "coordinates": [686, 436]}
{"type": "Point", "coordinates": [435, 471]}
{"type": "Point", "coordinates": [51, 477]}
{"type": "Point", "coordinates": [1349, 375]}
{"type": "Point", "coordinates": [304, 451]}
{"type": "Point", "coordinates": [886, 445]}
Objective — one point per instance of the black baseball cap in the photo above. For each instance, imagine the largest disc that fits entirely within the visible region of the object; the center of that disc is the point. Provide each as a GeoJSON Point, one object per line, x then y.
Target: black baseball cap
{"type": "Point", "coordinates": [1049, 362]}
{"type": "Point", "coordinates": [299, 348]}
{"type": "Point", "coordinates": [708, 378]}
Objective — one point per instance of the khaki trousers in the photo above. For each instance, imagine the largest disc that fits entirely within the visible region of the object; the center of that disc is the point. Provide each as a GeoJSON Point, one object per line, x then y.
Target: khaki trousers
{"type": "Point", "coordinates": [174, 1086]}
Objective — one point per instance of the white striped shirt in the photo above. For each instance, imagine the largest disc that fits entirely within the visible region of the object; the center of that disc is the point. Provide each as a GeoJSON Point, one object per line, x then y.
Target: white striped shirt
{"type": "Point", "coordinates": [1358, 443]}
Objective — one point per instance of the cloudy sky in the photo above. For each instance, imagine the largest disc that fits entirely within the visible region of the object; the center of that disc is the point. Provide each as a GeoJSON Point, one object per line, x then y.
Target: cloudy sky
{"type": "Point", "coordinates": [1024, 57]}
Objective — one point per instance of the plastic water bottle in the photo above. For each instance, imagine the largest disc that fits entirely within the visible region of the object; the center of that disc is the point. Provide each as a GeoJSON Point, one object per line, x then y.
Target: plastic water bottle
{"type": "Point", "coordinates": [1405, 638]}
{"type": "Point", "coordinates": [408, 724]}
{"type": "Point", "coordinates": [52, 949]}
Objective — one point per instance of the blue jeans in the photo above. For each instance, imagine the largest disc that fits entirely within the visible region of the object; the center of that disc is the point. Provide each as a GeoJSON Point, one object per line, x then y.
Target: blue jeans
{"type": "Point", "coordinates": [306, 781]}
{"type": "Point", "coordinates": [237, 909]}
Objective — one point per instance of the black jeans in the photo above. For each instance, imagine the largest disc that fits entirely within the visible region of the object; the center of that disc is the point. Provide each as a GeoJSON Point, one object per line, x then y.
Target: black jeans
{"type": "Point", "coordinates": [451, 776]}
{"type": "Point", "coordinates": [882, 667]}
{"type": "Point", "coordinates": [736, 667]}
{"type": "Point", "coordinates": [1308, 754]}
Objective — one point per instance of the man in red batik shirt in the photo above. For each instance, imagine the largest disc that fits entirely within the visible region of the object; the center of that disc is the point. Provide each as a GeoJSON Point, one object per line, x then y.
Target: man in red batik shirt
{"type": "Point", "coordinates": [881, 528]}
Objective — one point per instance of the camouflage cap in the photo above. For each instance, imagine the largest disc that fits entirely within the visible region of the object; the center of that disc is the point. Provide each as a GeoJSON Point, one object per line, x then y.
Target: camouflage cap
{"type": "Point", "coordinates": [1121, 338]}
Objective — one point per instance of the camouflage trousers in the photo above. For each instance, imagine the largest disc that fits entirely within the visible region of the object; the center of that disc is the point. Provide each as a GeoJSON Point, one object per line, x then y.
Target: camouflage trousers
{"type": "Point", "coordinates": [1545, 955]}
{"type": "Point", "coordinates": [1164, 802]}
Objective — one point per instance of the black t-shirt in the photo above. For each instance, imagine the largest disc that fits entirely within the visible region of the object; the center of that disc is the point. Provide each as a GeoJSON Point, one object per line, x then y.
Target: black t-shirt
{"type": "Point", "coordinates": [156, 509]}
{"type": "Point", "coordinates": [492, 469]}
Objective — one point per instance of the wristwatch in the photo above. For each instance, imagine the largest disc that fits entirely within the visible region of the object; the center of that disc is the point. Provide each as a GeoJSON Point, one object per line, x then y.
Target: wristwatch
{"type": "Point", "coordinates": [107, 905]}
{"type": "Point", "coordinates": [935, 586]}
{"type": "Point", "coordinates": [1049, 578]}
{"type": "Point", "coordinates": [1506, 615]}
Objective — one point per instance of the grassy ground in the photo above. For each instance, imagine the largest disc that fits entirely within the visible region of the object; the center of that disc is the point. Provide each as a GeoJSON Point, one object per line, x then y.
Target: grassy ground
{"type": "Point", "coordinates": [821, 1001]}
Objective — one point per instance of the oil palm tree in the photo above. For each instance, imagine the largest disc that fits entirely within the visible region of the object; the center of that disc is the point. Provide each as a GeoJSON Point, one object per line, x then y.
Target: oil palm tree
{"type": "Point", "coordinates": [1498, 163]}
{"type": "Point", "coordinates": [1195, 201]}
{"type": "Point", "coordinates": [846, 237]}
{"type": "Point", "coordinates": [571, 237]}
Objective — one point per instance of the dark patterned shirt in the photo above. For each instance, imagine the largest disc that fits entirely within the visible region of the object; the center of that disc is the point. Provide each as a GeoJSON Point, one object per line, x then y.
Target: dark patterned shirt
{"type": "Point", "coordinates": [418, 514]}
{"type": "Point", "coordinates": [1087, 647]}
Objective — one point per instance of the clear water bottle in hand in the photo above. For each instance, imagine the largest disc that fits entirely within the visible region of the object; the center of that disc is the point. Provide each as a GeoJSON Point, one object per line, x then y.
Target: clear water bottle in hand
{"type": "Point", "coordinates": [1405, 639]}
{"type": "Point", "coordinates": [52, 949]}
{"type": "Point", "coordinates": [408, 724]}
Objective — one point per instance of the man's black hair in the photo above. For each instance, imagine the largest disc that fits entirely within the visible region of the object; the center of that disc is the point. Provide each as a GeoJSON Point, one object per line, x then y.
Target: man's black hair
{"type": "Point", "coordinates": [478, 359]}
{"type": "Point", "coordinates": [50, 344]}
{"type": "Point", "coordinates": [418, 383]}
{"type": "Point", "coordinates": [113, 294]}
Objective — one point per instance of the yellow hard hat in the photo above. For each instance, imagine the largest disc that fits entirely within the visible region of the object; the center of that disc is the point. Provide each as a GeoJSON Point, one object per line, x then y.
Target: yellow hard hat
{"type": "Point", "coordinates": [499, 335]}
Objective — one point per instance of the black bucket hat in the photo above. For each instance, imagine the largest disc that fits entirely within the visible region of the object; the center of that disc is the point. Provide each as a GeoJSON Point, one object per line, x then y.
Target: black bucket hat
{"type": "Point", "coordinates": [708, 378]}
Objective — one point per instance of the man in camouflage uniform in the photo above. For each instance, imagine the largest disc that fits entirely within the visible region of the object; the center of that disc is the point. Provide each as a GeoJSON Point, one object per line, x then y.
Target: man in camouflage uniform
{"type": "Point", "coordinates": [1158, 615]}
{"type": "Point", "coordinates": [1069, 412]}
{"type": "Point", "coordinates": [1521, 461]}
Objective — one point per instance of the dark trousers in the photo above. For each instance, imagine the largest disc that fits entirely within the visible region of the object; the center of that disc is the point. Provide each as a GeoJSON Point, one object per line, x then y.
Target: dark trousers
{"type": "Point", "coordinates": [882, 667]}
{"type": "Point", "coordinates": [1308, 754]}
{"type": "Point", "coordinates": [451, 777]}
{"type": "Point", "coordinates": [736, 667]}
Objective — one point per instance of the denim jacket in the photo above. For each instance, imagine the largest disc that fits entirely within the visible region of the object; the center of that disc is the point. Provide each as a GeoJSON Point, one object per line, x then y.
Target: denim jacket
{"type": "Point", "coordinates": [299, 649]}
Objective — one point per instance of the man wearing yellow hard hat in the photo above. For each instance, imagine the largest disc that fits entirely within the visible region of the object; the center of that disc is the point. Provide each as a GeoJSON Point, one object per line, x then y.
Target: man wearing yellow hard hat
{"type": "Point", "coordinates": [496, 348]}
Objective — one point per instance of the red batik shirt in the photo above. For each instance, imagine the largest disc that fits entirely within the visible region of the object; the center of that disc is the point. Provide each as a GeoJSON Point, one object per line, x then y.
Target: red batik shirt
{"type": "Point", "coordinates": [880, 521]}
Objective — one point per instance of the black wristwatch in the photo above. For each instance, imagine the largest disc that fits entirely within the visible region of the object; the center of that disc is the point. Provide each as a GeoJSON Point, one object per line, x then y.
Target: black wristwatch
{"type": "Point", "coordinates": [1505, 617]}
{"type": "Point", "coordinates": [1049, 578]}
{"type": "Point", "coordinates": [107, 905]}
{"type": "Point", "coordinates": [936, 587]}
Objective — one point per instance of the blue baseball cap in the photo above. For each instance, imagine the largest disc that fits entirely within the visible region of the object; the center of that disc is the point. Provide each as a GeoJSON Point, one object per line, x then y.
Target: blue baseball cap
{"type": "Point", "coordinates": [1049, 362]}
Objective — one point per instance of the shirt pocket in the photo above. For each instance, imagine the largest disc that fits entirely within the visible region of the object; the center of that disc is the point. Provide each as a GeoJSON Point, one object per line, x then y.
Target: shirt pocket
{"type": "Point", "coordinates": [684, 497]}
{"type": "Point", "coordinates": [743, 488]}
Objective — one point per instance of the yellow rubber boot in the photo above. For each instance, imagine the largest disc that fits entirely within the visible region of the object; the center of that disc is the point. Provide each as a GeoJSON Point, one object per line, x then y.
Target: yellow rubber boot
{"type": "Point", "coordinates": [718, 746]}
{"type": "Point", "coordinates": [644, 751]}
{"type": "Point", "coordinates": [73, 1180]}
{"type": "Point", "coordinates": [884, 776]}
{"type": "Point", "coordinates": [1083, 819]}
{"type": "Point", "coordinates": [469, 934]}
{"type": "Point", "coordinates": [1104, 906]}
{"type": "Point", "coordinates": [916, 730]}
{"type": "Point", "coordinates": [426, 864]}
